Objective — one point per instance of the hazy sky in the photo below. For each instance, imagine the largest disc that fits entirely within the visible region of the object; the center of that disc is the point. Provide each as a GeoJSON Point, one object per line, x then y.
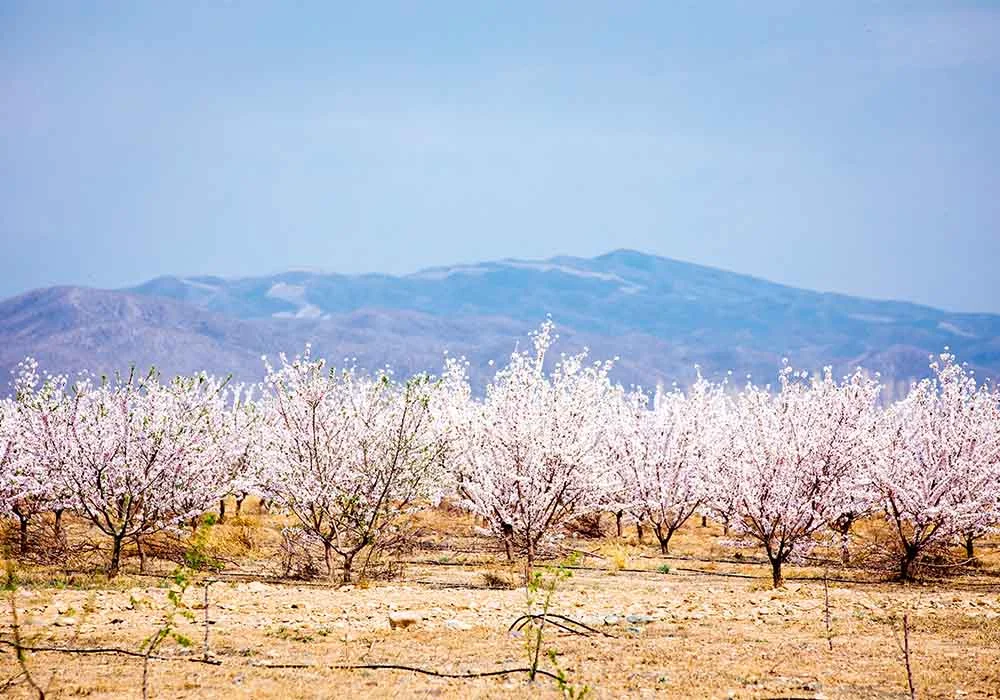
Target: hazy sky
{"type": "Point", "coordinates": [831, 145]}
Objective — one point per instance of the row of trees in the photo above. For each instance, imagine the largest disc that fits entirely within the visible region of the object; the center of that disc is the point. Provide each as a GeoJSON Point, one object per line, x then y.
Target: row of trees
{"type": "Point", "coordinates": [351, 453]}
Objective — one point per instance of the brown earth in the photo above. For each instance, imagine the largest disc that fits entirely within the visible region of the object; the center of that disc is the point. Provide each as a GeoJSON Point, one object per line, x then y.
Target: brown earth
{"type": "Point", "coordinates": [710, 627]}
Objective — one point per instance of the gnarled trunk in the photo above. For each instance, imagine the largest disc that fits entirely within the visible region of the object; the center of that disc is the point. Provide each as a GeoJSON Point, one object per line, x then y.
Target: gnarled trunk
{"type": "Point", "coordinates": [57, 527]}
{"type": "Point", "coordinates": [530, 564]}
{"type": "Point", "coordinates": [142, 555]}
{"type": "Point", "coordinates": [348, 561]}
{"type": "Point", "coordinates": [22, 534]}
{"type": "Point", "coordinates": [776, 577]}
{"type": "Point", "coordinates": [116, 556]}
{"type": "Point", "coordinates": [906, 563]}
{"type": "Point", "coordinates": [508, 536]}
{"type": "Point", "coordinates": [663, 535]}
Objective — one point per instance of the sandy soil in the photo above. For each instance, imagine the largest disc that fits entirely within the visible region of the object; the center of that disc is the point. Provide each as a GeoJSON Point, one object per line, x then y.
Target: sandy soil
{"type": "Point", "coordinates": [705, 629]}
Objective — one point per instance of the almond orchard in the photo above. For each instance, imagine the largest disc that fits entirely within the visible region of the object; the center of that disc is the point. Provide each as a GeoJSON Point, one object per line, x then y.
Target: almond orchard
{"type": "Point", "coordinates": [554, 484]}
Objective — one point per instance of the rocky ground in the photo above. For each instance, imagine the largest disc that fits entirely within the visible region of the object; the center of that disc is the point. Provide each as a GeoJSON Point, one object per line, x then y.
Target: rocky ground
{"type": "Point", "coordinates": [705, 629]}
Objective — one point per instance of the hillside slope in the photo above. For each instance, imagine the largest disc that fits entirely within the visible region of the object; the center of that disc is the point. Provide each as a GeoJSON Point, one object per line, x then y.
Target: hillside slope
{"type": "Point", "coordinates": [660, 315]}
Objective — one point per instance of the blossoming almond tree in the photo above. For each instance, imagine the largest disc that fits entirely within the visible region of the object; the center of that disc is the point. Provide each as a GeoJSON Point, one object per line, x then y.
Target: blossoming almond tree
{"type": "Point", "coordinates": [144, 456]}
{"type": "Point", "coordinates": [665, 454]}
{"type": "Point", "coordinates": [39, 441]}
{"type": "Point", "coordinates": [938, 463]}
{"type": "Point", "coordinates": [14, 481]}
{"type": "Point", "coordinates": [349, 453]}
{"type": "Point", "coordinates": [531, 454]}
{"type": "Point", "coordinates": [796, 449]}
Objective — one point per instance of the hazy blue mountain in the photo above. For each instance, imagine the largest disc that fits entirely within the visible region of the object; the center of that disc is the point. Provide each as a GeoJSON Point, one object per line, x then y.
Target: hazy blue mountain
{"type": "Point", "coordinates": [660, 315]}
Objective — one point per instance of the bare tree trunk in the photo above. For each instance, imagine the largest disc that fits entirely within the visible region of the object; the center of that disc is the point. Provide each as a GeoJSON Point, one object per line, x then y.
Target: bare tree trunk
{"type": "Point", "coordinates": [776, 571]}
{"type": "Point", "coordinates": [638, 530]}
{"type": "Point", "coordinates": [327, 551]}
{"type": "Point", "coordinates": [116, 555]}
{"type": "Point", "coordinates": [907, 561]}
{"type": "Point", "coordinates": [22, 539]}
{"type": "Point", "coordinates": [704, 521]}
{"type": "Point", "coordinates": [508, 535]}
{"type": "Point", "coordinates": [970, 552]}
{"type": "Point", "coordinates": [239, 504]}
{"type": "Point", "coordinates": [531, 561]}
{"type": "Point", "coordinates": [663, 538]}
{"type": "Point", "coordinates": [142, 555]}
{"type": "Point", "coordinates": [618, 523]}
{"type": "Point", "coordinates": [57, 527]}
{"type": "Point", "coordinates": [348, 561]}
{"type": "Point", "coordinates": [222, 510]}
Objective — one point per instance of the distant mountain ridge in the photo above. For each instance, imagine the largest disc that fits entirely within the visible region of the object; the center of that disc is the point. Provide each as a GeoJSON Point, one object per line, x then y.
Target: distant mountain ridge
{"type": "Point", "coordinates": [660, 315]}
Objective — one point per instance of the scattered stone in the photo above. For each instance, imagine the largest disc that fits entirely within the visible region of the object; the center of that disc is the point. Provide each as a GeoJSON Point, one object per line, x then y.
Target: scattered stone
{"type": "Point", "coordinates": [640, 619]}
{"type": "Point", "coordinates": [401, 619]}
{"type": "Point", "coordinates": [65, 621]}
{"type": "Point", "coordinates": [612, 620]}
{"type": "Point", "coordinates": [258, 587]}
{"type": "Point", "coordinates": [458, 625]}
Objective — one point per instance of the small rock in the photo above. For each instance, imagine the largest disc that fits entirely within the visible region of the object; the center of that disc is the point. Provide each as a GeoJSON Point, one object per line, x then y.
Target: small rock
{"type": "Point", "coordinates": [640, 619]}
{"type": "Point", "coordinates": [612, 620]}
{"type": "Point", "coordinates": [65, 621]}
{"type": "Point", "coordinates": [258, 587]}
{"type": "Point", "coordinates": [401, 619]}
{"type": "Point", "coordinates": [458, 625]}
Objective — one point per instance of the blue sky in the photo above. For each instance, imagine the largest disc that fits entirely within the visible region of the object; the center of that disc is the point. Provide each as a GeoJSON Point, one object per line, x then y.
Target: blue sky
{"type": "Point", "coordinates": [838, 146]}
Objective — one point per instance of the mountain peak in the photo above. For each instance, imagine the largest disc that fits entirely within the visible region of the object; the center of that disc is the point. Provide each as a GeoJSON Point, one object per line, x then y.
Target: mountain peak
{"type": "Point", "coordinates": [662, 316]}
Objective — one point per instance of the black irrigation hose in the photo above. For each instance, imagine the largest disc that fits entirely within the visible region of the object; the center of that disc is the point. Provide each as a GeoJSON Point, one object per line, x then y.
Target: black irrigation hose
{"type": "Point", "coordinates": [339, 667]}
{"type": "Point", "coordinates": [415, 669]}
{"type": "Point", "coordinates": [548, 617]}
{"type": "Point", "coordinates": [110, 650]}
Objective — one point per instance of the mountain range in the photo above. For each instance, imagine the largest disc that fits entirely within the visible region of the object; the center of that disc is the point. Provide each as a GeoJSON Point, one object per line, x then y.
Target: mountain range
{"type": "Point", "coordinates": [661, 316]}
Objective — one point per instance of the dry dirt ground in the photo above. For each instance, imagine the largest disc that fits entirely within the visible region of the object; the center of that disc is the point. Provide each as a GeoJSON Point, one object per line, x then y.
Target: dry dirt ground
{"type": "Point", "coordinates": [710, 627]}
